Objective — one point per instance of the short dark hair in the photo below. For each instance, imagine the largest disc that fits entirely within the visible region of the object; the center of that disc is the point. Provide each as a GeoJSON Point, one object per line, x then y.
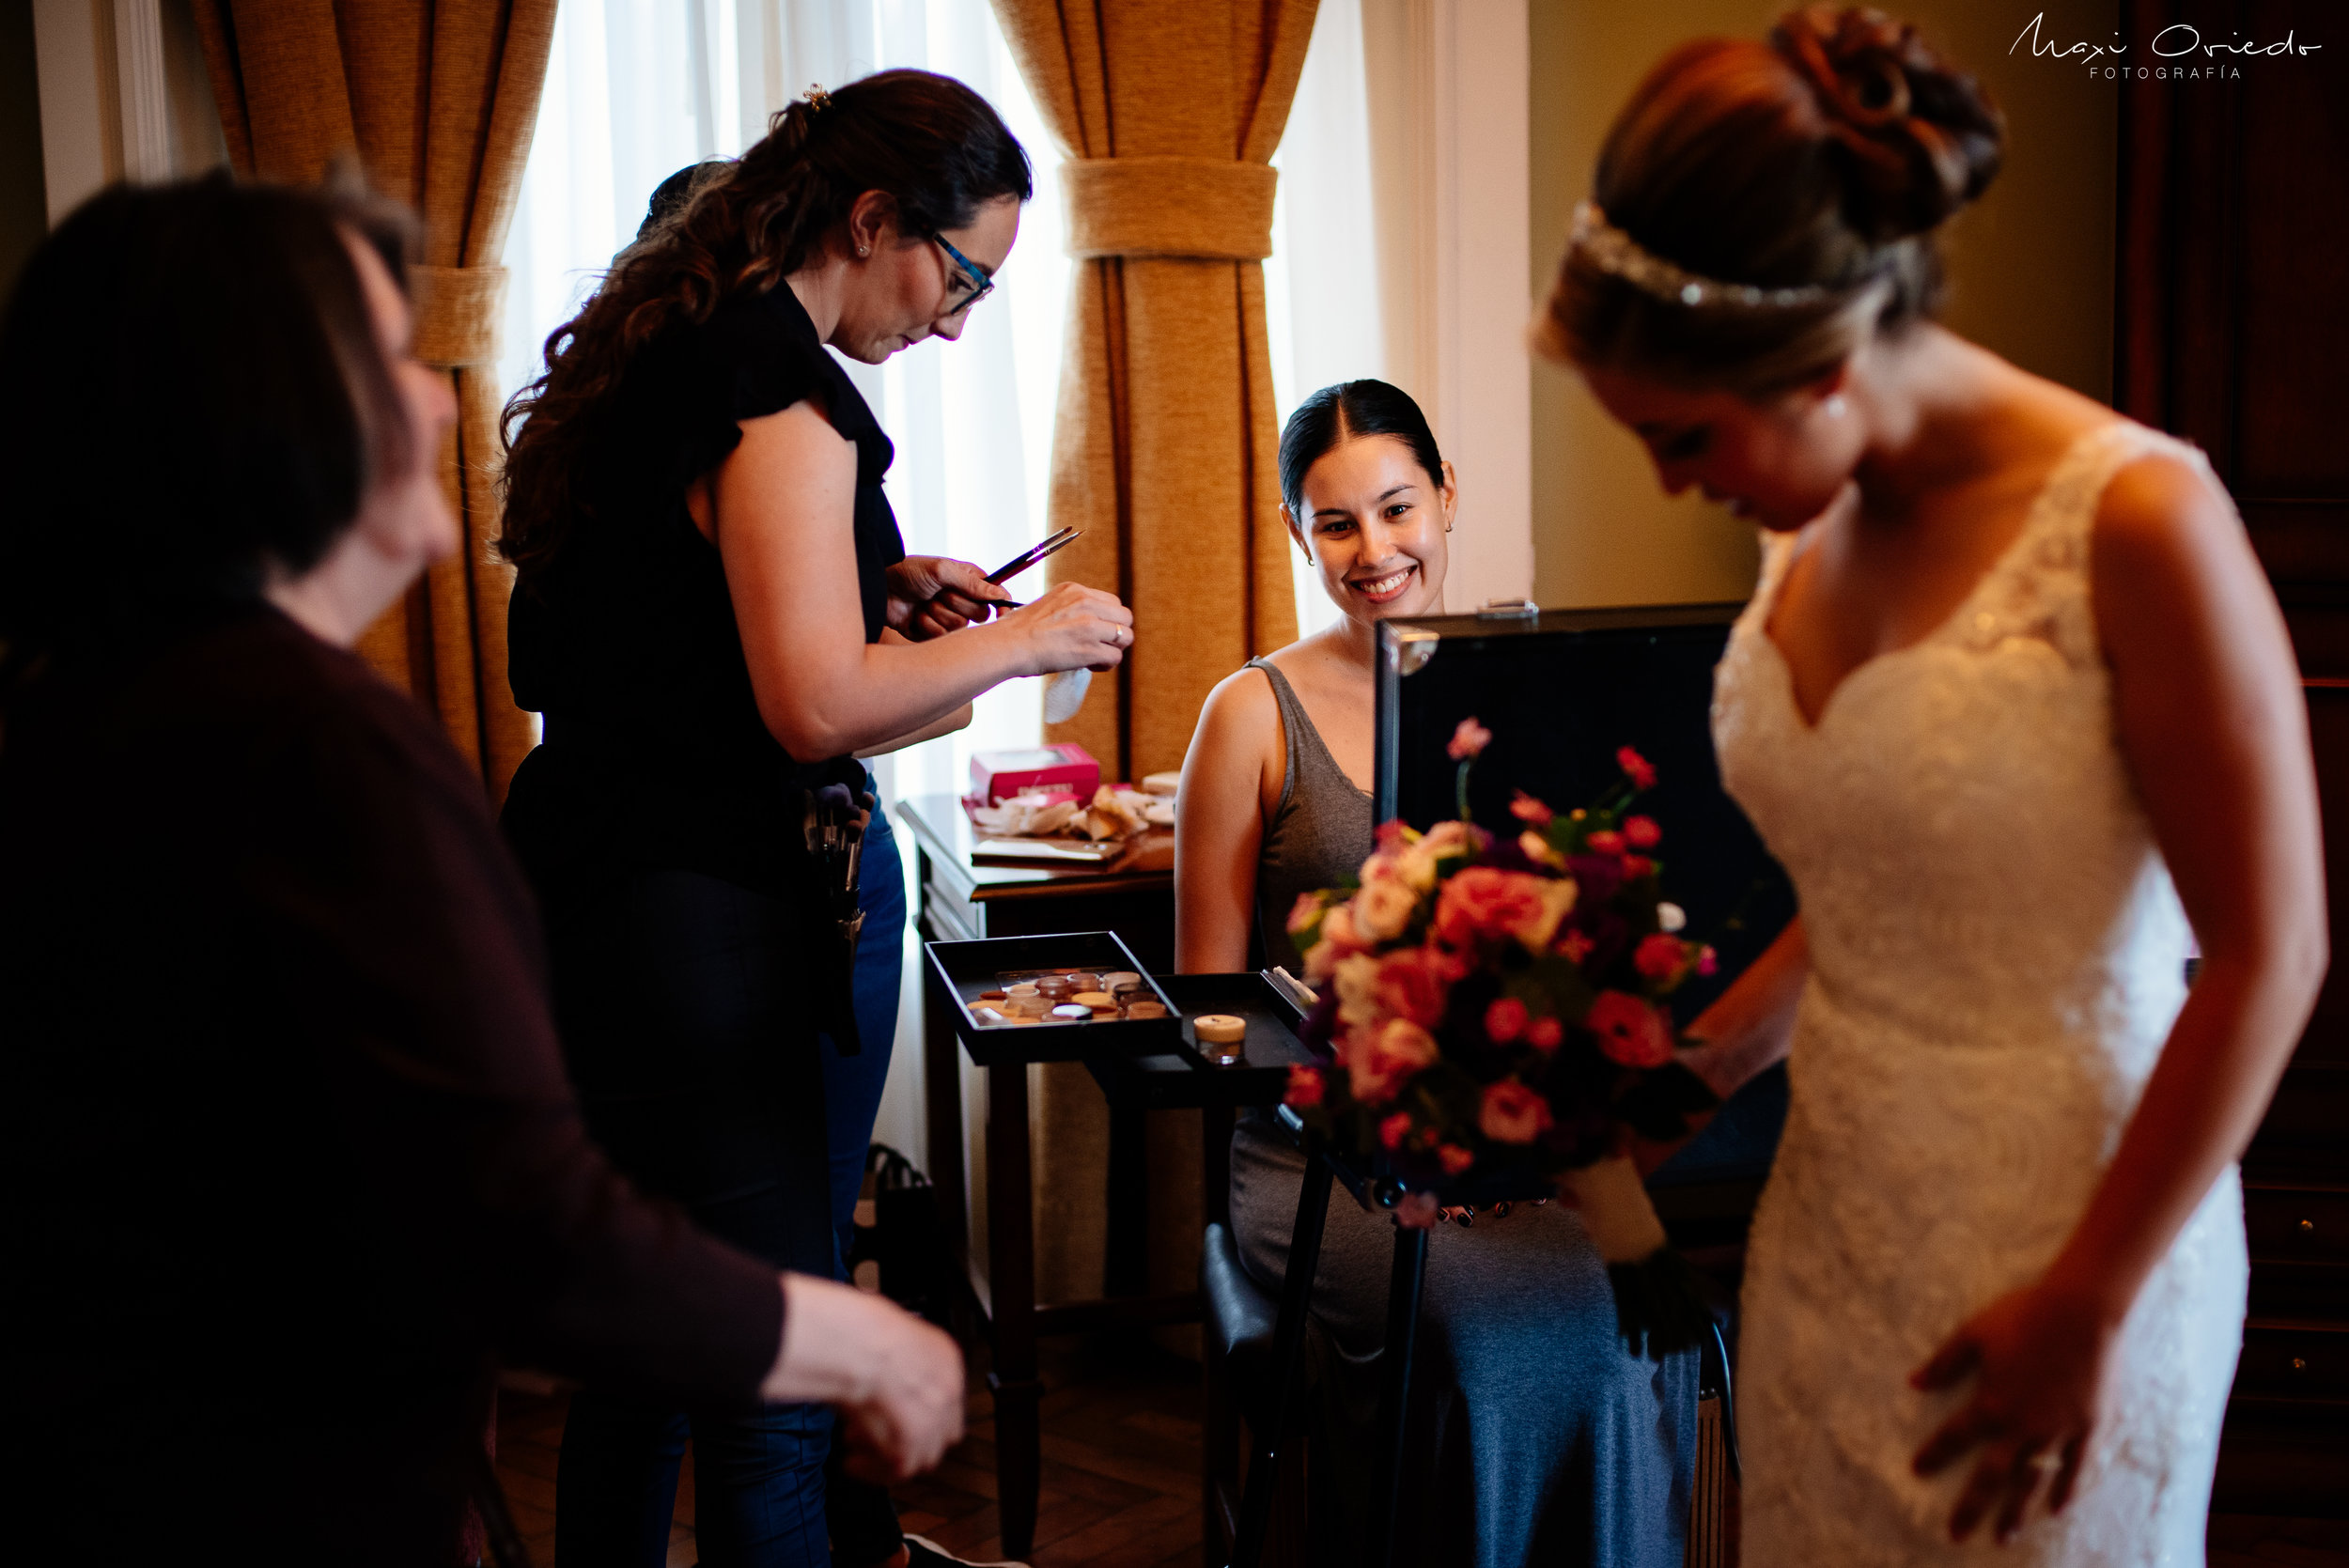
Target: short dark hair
{"type": "Point", "coordinates": [191, 393]}
{"type": "Point", "coordinates": [1364, 408]}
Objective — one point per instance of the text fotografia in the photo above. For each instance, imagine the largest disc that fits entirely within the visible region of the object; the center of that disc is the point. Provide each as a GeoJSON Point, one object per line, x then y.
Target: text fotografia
{"type": "Point", "coordinates": [2179, 53]}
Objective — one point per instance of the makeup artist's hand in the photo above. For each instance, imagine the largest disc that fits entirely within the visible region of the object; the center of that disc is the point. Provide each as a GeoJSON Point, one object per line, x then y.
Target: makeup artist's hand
{"type": "Point", "coordinates": [932, 595]}
{"type": "Point", "coordinates": [1072, 628]}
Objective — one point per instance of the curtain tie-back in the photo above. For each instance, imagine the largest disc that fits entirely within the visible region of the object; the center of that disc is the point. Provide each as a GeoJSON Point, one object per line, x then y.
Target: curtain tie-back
{"type": "Point", "coordinates": [1211, 208]}
{"type": "Point", "coordinates": [458, 309]}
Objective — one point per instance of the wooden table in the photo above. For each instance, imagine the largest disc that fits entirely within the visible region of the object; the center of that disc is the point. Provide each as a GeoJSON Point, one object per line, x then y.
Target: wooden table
{"type": "Point", "coordinates": [963, 900]}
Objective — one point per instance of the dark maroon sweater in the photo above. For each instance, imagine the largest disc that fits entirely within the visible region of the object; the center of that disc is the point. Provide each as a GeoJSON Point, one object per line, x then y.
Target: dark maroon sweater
{"type": "Point", "coordinates": [287, 1159]}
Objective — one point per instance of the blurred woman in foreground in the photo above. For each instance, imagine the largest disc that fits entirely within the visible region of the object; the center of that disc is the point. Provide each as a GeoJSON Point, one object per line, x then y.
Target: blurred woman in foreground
{"type": "Point", "coordinates": [289, 1159]}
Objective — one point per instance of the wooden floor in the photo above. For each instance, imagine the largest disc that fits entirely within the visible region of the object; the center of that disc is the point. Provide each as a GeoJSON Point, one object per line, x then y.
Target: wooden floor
{"type": "Point", "coordinates": [1121, 1476]}
{"type": "Point", "coordinates": [1121, 1467]}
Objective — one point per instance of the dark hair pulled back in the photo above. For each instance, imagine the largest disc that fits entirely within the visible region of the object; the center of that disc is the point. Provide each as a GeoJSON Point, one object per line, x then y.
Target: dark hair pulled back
{"type": "Point", "coordinates": [722, 230]}
{"type": "Point", "coordinates": [1826, 158]}
{"type": "Point", "coordinates": [192, 392]}
{"type": "Point", "coordinates": [1364, 408]}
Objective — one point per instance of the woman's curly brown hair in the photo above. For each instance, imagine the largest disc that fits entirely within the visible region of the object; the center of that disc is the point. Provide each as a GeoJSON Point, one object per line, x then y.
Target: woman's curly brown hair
{"type": "Point", "coordinates": [931, 145]}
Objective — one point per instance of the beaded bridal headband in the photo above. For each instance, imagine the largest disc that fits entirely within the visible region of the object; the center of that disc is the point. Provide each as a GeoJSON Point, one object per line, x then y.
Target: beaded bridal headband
{"type": "Point", "coordinates": [1612, 251]}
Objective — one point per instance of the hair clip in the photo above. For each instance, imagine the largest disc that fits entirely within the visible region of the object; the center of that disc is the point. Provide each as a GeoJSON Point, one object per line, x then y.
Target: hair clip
{"type": "Point", "coordinates": [816, 99]}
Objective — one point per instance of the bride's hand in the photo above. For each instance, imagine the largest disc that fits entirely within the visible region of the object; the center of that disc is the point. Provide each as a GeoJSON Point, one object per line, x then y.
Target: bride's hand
{"type": "Point", "coordinates": [2041, 1358]}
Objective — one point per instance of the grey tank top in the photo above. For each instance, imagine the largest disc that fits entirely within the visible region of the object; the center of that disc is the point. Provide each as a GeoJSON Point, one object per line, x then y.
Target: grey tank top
{"type": "Point", "coordinates": [1321, 834]}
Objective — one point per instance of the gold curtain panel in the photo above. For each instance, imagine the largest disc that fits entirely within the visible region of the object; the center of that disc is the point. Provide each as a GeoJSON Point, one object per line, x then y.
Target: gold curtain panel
{"type": "Point", "coordinates": [438, 99]}
{"type": "Point", "coordinates": [1166, 439]}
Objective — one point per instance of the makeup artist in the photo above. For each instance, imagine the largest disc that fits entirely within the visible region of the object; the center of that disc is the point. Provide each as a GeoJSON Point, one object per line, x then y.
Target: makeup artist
{"type": "Point", "coordinates": [715, 612]}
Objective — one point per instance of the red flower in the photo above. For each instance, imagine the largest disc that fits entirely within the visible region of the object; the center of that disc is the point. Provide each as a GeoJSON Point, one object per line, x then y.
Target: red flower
{"type": "Point", "coordinates": [1455, 1159]}
{"type": "Point", "coordinates": [1641, 832]}
{"type": "Point", "coordinates": [1512, 1113]}
{"type": "Point", "coordinates": [1629, 1031]}
{"type": "Point", "coordinates": [1641, 771]}
{"type": "Point", "coordinates": [1504, 1020]}
{"type": "Point", "coordinates": [1545, 1035]}
{"type": "Point", "coordinates": [1658, 956]}
{"type": "Point", "coordinates": [1304, 1089]}
{"type": "Point", "coordinates": [1573, 947]}
{"type": "Point", "coordinates": [1414, 984]}
{"type": "Point", "coordinates": [1527, 810]}
{"type": "Point", "coordinates": [1395, 1129]}
{"type": "Point", "coordinates": [1483, 904]}
{"type": "Point", "coordinates": [1378, 1063]}
{"type": "Point", "coordinates": [1605, 842]}
{"type": "Point", "coordinates": [1468, 739]}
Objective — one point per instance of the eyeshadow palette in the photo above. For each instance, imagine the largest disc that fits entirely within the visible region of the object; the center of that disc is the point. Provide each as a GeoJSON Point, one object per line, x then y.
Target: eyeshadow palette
{"type": "Point", "coordinates": [1052, 998]}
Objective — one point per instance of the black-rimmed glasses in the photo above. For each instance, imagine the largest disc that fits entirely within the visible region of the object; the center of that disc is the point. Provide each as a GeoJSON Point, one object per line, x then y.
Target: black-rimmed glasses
{"type": "Point", "coordinates": [981, 285]}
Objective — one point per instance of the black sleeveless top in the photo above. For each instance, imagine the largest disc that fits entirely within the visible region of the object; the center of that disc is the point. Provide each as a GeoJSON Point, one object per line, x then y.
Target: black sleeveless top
{"type": "Point", "coordinates": [654, 753]}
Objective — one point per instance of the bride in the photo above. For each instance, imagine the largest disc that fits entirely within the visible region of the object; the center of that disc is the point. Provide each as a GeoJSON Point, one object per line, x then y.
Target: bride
{"type": "Point", "coordinates": [2016, 708]}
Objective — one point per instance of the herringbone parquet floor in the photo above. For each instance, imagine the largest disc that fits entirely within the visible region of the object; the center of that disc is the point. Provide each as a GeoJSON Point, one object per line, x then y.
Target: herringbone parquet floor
{"type": "Point", "coordinates": [1121, 1467]}
{"type": "Point", "coordinates": [1121, 1476]}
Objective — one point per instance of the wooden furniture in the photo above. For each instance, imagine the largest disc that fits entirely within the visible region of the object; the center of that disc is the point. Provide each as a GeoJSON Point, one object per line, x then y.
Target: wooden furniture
{"type": "Point", "coordinates": [2231, 330]}
{"type": "Point", "coordinates": [961, 901]}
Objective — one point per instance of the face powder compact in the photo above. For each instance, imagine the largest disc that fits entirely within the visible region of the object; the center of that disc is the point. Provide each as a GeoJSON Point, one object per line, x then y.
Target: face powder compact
{"type": "Point", "coordinates": [1223, 1038]}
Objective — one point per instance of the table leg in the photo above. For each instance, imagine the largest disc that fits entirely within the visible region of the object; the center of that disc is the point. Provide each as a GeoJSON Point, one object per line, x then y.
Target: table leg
{"type": "Point", "coordinates": [1126, 1269]}
{"type": "Point", "coordinates": [1288, 1344]}
{"type": "Point", "coordinates": [942, 1098]}
{"type": "Point", "coordinates": [1011, 1278]}
{"type": "Point", "coordinates": [1402, 1292]}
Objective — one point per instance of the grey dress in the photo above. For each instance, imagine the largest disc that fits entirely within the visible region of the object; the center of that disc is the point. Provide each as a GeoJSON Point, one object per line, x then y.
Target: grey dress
{"type": "Point", "coordinates": [1533, 1437]}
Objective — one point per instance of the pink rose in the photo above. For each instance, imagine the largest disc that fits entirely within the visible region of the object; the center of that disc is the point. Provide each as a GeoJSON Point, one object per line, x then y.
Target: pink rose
{"type": "Point", "coordinates": [1305, 1087]}
{"type": "Point", "coordinates": [1636, 767]}
{"type": "Point", "coordinates": [1304, 911]}
{"type": "Point", "coordinates": [1448, 839]}
{"type": "Point", "coordinates": [1394, 834]}
{"type": "Point", "coordinates": [1414, 984]}
{"type": "Point", "coordinates": [1505, 1019]}
{"type": "Point", "coordinates": [1512, 1113]}
{"type": "Point", "coordinates": [1629, 1031]}
{"type": "Point", "coordinates": [1530, 810]}
{"type": "Point", "coordinates": [1641, 832]}
{"type": "Point", "coordinates": [1545, 1035]}
{"type": "Point", "coordinates": [1658, 956]}
{"type": "Point", "coordinates": [1380, 1061]}
{"type": "Point", "coordinates": [1339, 941]}
{"type": "Point", "coordinates": [1395, 1129]}
{"type": "Point", "coordinates": [1383, 909]}
{"type": "Point", "coordinates": [1468, 739]}
{"type": "Point", "coordinates": [1455, 1159]}
{"type": "Point", "coordinates": [1573, 947]}
{"type": "Point", "coordinates": [1708, 961]}
{"type": "Point", "coordinates": [1483, 904]}
{"type": "Point", "coordinates": [1605, 842]}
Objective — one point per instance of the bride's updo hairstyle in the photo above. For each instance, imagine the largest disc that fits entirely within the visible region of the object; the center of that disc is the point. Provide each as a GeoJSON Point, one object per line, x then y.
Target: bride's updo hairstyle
{"type": "Point", "coordinates": [1761, 209]}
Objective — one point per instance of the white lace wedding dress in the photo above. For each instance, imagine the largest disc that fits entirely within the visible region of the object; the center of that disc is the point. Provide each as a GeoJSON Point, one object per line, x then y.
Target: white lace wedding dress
{"type": "Point", "coordinates": [1996, 955]}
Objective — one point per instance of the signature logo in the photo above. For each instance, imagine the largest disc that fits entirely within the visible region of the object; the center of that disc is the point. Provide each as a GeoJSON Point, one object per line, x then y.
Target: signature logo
{"type": "Point", "coordinates": [2178, 52]}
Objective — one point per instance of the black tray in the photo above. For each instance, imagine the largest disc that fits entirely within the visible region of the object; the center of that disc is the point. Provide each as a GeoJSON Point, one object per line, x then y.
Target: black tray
{"type": "Point", "coordinates": [1184, 1077]}
{"type": "Point", "coordinates": [958, 972]}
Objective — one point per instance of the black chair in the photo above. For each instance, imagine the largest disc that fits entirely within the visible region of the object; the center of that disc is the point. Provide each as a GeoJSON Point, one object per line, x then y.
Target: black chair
{"type": "Point", "coordinates": [1236, 1344]}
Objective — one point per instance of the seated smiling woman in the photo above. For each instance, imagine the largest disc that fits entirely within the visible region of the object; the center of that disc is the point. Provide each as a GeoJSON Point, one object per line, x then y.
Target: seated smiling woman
{"type": "Point", "coordinates": [1534, 1436]}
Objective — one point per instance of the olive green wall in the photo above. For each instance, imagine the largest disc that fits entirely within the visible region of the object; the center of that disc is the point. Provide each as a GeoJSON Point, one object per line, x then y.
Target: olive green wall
{"type": "Point", "coordinates": [2031, 266]}
{"type": "Point", "coordinates": [24, 205]}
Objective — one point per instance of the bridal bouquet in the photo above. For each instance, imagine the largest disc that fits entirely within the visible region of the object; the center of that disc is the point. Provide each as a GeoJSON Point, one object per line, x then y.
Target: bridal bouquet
{"type": "Point", "coordinates": [1492, 1007]}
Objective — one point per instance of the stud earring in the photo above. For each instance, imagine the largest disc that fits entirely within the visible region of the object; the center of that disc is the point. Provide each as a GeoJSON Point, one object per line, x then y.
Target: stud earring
{"type": "Point", "coordinates": [862, 249]}
{"type": "Point", "coordinates": [1836, 407]}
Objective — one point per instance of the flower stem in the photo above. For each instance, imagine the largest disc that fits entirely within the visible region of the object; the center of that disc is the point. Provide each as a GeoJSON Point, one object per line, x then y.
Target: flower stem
{"type": "Point", "coordinates": [1461, 791]}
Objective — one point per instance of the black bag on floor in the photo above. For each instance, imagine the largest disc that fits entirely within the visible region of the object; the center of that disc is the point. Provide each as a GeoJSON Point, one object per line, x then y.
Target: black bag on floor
{"type": "Point", "coordinates": [901, 1233]}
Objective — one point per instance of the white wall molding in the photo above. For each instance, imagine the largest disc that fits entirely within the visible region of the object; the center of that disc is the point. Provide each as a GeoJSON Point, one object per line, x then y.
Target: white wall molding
{"type": "Point", "coordinates": [106, 109]}
{"type": "Point", "coordinates": [1449, 100]}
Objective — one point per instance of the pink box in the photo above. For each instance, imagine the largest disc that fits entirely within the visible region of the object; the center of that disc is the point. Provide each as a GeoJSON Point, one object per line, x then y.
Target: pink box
{"type": "Point", "coordinates": [997, 776]}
